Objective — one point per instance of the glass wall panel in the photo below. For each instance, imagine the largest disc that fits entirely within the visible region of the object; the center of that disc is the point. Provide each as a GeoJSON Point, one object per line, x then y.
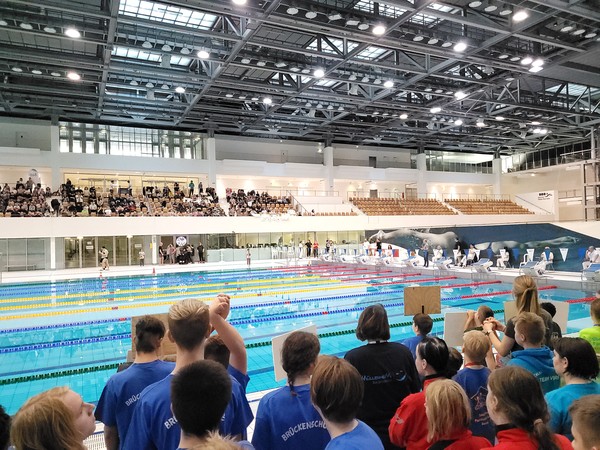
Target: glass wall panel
{"type": "Point", "coordinates": [72, 253]}
{"type": "Point", "coordinates": [122, 251]}
{"type": "Point", "coordinates": [17, 254]}
{"type": "Point", "coordinates": [3, 254]}
{"type": "Point", "coordinates": [106, 241]}
{"type": "Point", "coordinates": [36, 255]}
{"type": "Point", "coordinates": [89, 252]}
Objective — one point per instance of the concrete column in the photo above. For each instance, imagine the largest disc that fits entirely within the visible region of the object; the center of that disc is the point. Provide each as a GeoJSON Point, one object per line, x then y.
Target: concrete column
{"type": "Point", "coordinates": [422, 175]}
{"type": "Point", "coordinates": [211, 155]}
{"type": "Point", "coordinates": [54, 160]}
{"type": "Point", "coordinates": [594, 142]}
{"type": "Point", "coordinates": [497, 171]}
{"type": "Point", "coordinates": [328, 163]}
{"type": "Point", "coordinates": [154, 250]}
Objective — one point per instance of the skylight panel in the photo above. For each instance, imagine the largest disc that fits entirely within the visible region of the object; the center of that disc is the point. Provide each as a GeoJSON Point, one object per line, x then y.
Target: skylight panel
{"type": "Point", "coordinates": [384, 10]}
{"type": "Point", "coordinates": [159, 12]}
{"type": "Point", "coordinates": [574, 89]}
{"type": "Point", "coordinates": [180, 60]}
{"type": "Point", "coordinates": [424, 19]}
{"type": "Point", "coordinates": [442, 8]}
{"type": "Point", "coordinates": [371, 52]}
{"type": "Point", "coordinates": [141, 55]}
{"type": "Point", "coordinates": [325, 83]}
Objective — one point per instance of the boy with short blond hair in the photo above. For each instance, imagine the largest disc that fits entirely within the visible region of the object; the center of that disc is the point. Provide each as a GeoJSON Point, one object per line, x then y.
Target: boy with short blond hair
{"type": "Point", "coordinates": [585, 413]}
{"type": "Point", "coordinates": [473, 379]}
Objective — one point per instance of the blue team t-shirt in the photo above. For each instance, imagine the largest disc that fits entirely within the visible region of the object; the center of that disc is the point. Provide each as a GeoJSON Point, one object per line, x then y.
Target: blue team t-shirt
{"type": "Point", "coordinates": [122, 391]}
{"type": "Point", "coordinates": [559, 401]}
{"type": "Point", "coordinates": [242, 378]}
{"type": "Point", "coordinates": [289, 422]}
{"type": "Point", "coordinates": [361, 438]}
{"type": "Point", "coordinates": [413, 342]}
{"type": "Point", "coordinates": [474, 382]}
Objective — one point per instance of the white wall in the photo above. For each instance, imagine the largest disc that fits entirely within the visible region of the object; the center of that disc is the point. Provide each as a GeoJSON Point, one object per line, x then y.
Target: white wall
{"type": "Point", "coordinates": [23, 133]}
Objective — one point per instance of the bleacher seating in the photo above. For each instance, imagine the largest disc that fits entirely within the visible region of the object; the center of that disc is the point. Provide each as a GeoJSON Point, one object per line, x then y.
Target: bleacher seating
{"type": "Point", "coordinates": [487, 207]}
{"type": "Point", "coordinates": [404, 207]}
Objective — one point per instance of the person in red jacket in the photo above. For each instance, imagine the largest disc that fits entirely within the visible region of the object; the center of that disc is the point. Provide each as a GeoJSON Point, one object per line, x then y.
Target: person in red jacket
{"type": "Point", "coordinates": [516, 404]}
{"type": "Point", "coordinates": [408, 427]}
{"type": "Point", "coordinates": [450, 431]}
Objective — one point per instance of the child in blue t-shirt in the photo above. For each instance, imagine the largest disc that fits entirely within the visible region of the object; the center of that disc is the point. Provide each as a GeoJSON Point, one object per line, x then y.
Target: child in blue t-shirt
{"type": "Point", "coordinates": [422, 325]}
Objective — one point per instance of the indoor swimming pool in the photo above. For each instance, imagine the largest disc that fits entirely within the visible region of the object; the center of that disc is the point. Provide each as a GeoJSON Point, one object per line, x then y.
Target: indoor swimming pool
{"type": "Point", "coordinates": [76, 332]}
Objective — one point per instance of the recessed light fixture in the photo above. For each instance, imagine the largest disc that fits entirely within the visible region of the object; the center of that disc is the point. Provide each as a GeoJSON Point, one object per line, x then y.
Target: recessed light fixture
{"type": "Point", "coordinates": [363, 26]}
{"type": "Point", "coordinates": [537, 62]}
{"type": "Point", "coordinates": [310, 14]}
{"type": "Point", "coordinates": [261, 63]}
{"type": "Point", "coordinates": [245, 61]}
{"type": "Point", "coordinates": [17, 69]}
{"type": "Point", "coordinates": [458, 122]}
{"type": "Point", "coordinates": [527, 60]}
{"type": "Point", "coordinates": [73, 76]}
{"type": "Point", "coordinates": [578, 32]}
{"type": "Point", "coordinates": [520, 16]}
{"type": "Point", "coordinates": [490, 8]}
{"type": "Point", "coordinates": [267, 100]}
{"type": "Point", "coordinates": [180, 90]}
{"type": "Point", "coordinates": [590, 35]}
{"type": "Point", "coordinates": [567, 28]}
{"type": "Point", "coordinates": [503, 56]}
{"type": "Point", "coordinates": [3, 23]}
{"type": "Point", "coordinates": [505, 11]}
{"type": "Point", "coordinates": [72, 33]}
{"type": "Point", "coordinates": [388, 84]}
{"type": "Point", "coordinates": [292, 10]}
{"type": "Point", "coordinates": [418, 38]}
{"type": "Point", "coordinates": [379, 29]}
{"type": "Point", "coordinates": [36, 72]}
{"type": "Point", "coordinates": [26, 26]}
{"type": "Point", "coordinates": [319, 73]}
{"type": "Point", "coordinates": [50, 30]}
{"type": "Point", "coordinates": [536, 69]}
{"type": "Point", "coordinates": [447, 44]}
{"type": "Point", "coordinates": [460, 47]}
{"type": "Point", "coordinates": [435, 110]}
{"type": "Point", "coordinates": [55, 74]}
{"type": "Point", "coordinates": [515, 58]}
{"type": "Point", "coordinates": [203, 54]}
{"type": "Point", "coordinates": [460, 95]}
{"type": "Point", "coordinates": [475, 4]}
{"type": "Point", "coordinates": [499, 118]}
{"type": "Point", "coordinates": [403, 116]}
{"type": "Point", "coordinates": [433, 41]}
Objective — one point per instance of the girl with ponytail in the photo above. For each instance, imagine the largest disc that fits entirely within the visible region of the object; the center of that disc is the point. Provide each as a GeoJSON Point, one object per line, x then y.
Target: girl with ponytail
{"type": "Point", "coordinates": [525, 293]}
{"type": "Point", "coordinates": [516, 405]}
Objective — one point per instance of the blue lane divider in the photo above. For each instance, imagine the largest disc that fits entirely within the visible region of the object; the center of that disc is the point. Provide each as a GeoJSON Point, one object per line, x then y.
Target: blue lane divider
{"type": "Point", "coordinates": [45, 345]}
{"type": "Point", "coordinates": [66, 325]}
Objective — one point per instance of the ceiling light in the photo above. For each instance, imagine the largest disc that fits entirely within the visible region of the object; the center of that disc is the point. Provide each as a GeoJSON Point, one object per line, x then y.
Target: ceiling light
{"type": "Point", "coordinates": [341, 108]}
{"type": "Point", "coordinates": [319, 73]}
{"type": "Point", "coordinates": [378, 30]}
{"type": "Point", "coordinates": [352, 22]}
{"type": "Point", "coordinates": [305, 71]}
{"type": "Point", "coordinates": [365, 79]}
{"type": "Point", "coordinates": [72, 33]}
{"type": "Point", "coordinates": [28, 26]}
{"type": "Point", "coordinates": [490, 8]}
{"type": "Point", "coordinates": [255, 99]}
{"type": "Point", "coordinates": [439, 91]}
{"type": "Point", "coordinates": [280, 64]}
{"type": "Point", "coordinates": [404, 116]}
{"type": "Point", "coordinates": [319, 106]}
{"type": "Point", "coordinates": [433, 41]}
{"type": "Point", "coordinates": [505, 11]}
{"type": "Point", "coordinates": [185, 51]}
{"type": "Point", "coordinates": [460, 95]}
{"type": "Point", "coordinates": [503, 56]}
{"type": "Point", "coordinates": [418, 38]}
{"type": "Point", "coordinates": [267, 100]}
{"type": "Point", "coordinates": [435, 110]}
{"type": "Point", "coordinates": [292, 10]}
{"type": "Point", "coordinates": [590, 35]}
{"type": "Point", "coordinates": [166, 48]}
{"type": "Point", "coordinates": [239, 2]}
{"type": "Point", "coordinates": [460, 47]}
{"type": "Point", "coordinates": [520, 16]}
{"type": "Point", "coordinates": [330, 107]}
{"type": "Point", "coordinates": [480, 123]}
{"type": "Point", "coordinates": [149, 85]}
{"type": "Point", "coordinates": [567, 28]}
{"type": "Point", "coordinates": [499, 118]}
{"type": "Point", "coordinates": [295, 69]}
{"type": "Point", "coordinates": [388, 84]}
{"type": "Point", "coordinates": [245, 61]}
{"type": "Point", "coordinates": [36, 72]}
{"type": "Point", "coordinates": [475, 4]}
{"type": "Point", "coordinates": [180, 90]}
{"type": "Point", "coordinates": [375, 113]}
{"type": "Point", "coordinates": [537, 62]}
{"type": "Point", "coordinates": [527, 60]}
{"type": "Point", "coordinates": [535, 123]}
{"type": "Point", "coordinates": [203, 54]}
{"type": "Point", "coordinates": [363, 26]}
{"type": "Point", "coordinates": [3, 23]}
{"type": "Point", "coordinates": [334, 16]}
{"type": "Point", "coordinates": [458, 122]}
{"type": "Point", "coordinates": [578, 32]}
{"type": "Point", "coordinates": [377, 81]}
{"type": "Point", "coordinates": [352, 77]}
{"type": "Point", "coordinates": [446, 44]}
{"type": "Point", "coordinates": [537, 130]}
{"type": "Point", "coordinates": [55, 74]}
{"type": "Point", "coordinates": [229, 95]}
{"type": "Point", "coordinates": [515, 58]}
{"type": "Point", "coordinates": [261, 63]}
{"type": "Point", "coordinates": [310, 14]}
{"type": "Point", "coordinates": [73, 76]}
{"type": "Point", "coordinates": [50, 30]}
{"type": "Point", "coordinates": [308, 105]}
{"type": "Point", "coordinates": [133, 83]}
{"type": "Point", "coordinates": [536, 69]}
{"type": "Point", "coordinates": [165, 87]}
{"type": "Point", "coordinates": [428, 89]}
{"type": "Point", "coordinates": [17, 69]}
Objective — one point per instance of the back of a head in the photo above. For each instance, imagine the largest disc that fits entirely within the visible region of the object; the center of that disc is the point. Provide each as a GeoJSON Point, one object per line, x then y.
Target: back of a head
{"type": "Point", "coordinates": [520, 399]}
{"type": "Point", "coordinates": [475, 346]}
{"type": "Point", "coordinates": [45, 422]}
{"type": "Point", "coordinates": [216, 442]}
{"type": "Point", "coordinates": [423, 322]}
{"type": "Point", "coordinates": [4, 429]}
{"type": "Point", "coordinates": [148, 333]}
{"type": "Point", "coordinates": [455, 362]}
{"type": "Point", "coordinates": [526, 294]}
{"type": "Point", "coordinates": [373, 324]}
{"type": "Point", "coordinates": [531, 326]}
{"type": "Point", "coordinates": [585, 413]}
{"type": "Point", "coordinates": [216, 350]}
{"type": "Point", "coordinates": [549, 308]}
{"type": "Point", "coordinates": [189, 323]}
{"type": "Point", "coordinates": [484, 311]}
{"type": "Point", "coordinates": [595, 310]}
{"type": "Point", "coordinates": [299, 351]}
{"type": "Point", "coordinates": [441, 398]}
{"type": "Point", "coordinates": [580, 357]}
{"type": "Point", "coordinates": [200, 393]}
{"type": "Point", "coordinates": [435, 351]}
{"type": "Point", "coordinates": [336, 389]}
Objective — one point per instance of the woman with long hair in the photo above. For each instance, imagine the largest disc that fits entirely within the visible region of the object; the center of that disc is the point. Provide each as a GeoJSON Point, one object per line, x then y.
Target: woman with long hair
{"type": "Point", "coordinates": [408, 427]}
{"type": "Point", "coordinates": [516, 404]}
{"type": "Point", "coordinates": [450, 431]}
{"type": "Point", "coordinates": [576, 363]}
{"type": "Point", "coordinates": [57, 419]}
{"type": "Point", "coordinates": [525, 293]}
{"type": "Point", "coordinates": [387, 369]}
{"type": "Point", "coordinates": [286, 418]}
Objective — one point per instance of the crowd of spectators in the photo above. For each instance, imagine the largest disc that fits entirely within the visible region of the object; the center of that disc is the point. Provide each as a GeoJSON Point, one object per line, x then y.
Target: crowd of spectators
{"type": "Point", "coordinates": [252, 203]}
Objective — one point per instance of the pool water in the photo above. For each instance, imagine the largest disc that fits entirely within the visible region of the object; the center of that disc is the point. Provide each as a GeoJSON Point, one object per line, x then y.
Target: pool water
{"type": "Point", "coordinates": [75, 332]}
